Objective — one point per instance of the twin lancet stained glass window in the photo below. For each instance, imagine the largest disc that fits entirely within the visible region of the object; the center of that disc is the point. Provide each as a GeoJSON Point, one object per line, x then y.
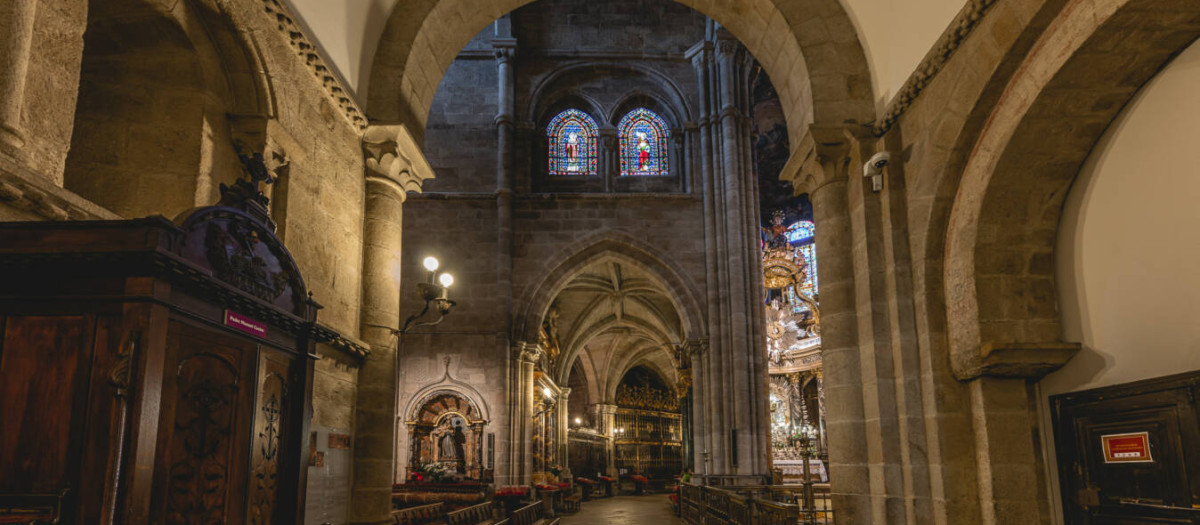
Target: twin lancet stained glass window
{"type": "Point", "coordinates": [572, 135]}
{"type": "Point", "coordinates": [643, 137]}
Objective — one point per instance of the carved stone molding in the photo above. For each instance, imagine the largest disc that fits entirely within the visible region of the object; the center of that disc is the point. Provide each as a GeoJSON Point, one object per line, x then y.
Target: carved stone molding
{"type": "Point", "coordinates": [1015, 360]}
{"type": "Point", "coordinates": [962, 26]}
{"type": "Point", "coordinates": [23, 189]}
{"type": "Point", "coordinates": [299, 40]}
{"type": "Point", "coordinates": [391, 155]}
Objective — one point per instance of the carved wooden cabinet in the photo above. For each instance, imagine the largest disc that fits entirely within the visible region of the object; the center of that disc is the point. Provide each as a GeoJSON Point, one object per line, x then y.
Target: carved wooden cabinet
{"type": "Point", "coordinates": [154, 371]}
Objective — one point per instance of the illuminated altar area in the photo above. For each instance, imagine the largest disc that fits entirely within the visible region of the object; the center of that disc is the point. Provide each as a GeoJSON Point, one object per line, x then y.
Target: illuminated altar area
{"type": "Point", "coordinates": [792, 316]}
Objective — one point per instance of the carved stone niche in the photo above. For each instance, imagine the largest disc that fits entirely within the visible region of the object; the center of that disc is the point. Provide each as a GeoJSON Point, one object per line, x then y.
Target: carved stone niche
{"type": "Point", "coordinates": [448, 430]}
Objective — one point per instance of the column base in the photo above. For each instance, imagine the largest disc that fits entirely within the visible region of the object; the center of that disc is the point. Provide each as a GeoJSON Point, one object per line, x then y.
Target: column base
{"type": "Point", "coordinates": [12, 143]}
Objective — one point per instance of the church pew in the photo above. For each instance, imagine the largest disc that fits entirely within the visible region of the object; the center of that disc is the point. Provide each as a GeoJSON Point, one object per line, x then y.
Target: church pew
{"type": "Point", "coordinates": [422, 515]}
{"type": "Point", "coordinates": [481, 514]}
{"type": "Point", "coordinates": [532, 514]}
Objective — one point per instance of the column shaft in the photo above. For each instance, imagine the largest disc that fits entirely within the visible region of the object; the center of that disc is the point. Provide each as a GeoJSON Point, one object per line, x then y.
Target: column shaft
{"type": "Point", "coordinates": [16, 37]}
{"type": "Point", "coordinates": [375, 408]}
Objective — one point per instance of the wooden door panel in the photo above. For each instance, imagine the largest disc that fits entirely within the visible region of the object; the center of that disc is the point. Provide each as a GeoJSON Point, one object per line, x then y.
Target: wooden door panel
{"type": "Point", "coordinates": [44, 367]}
{"type": "Point", "coordinates": [272, 418]}
{"type": "Point", "coordinates": [207, 395]}
{"type": "Point", "coordinates": [1103, 490]}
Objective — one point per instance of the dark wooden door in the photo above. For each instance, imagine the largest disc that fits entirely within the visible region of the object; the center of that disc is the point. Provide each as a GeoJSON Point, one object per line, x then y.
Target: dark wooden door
{"type": "Point", "coordinates": [1130, 454]}
{"type": "Point", "coordinates": [208, 395]}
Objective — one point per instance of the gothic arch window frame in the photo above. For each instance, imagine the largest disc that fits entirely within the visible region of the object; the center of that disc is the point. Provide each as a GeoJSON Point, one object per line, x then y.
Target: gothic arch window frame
{"type": "Point", "coordinates": [557, 163]}
{"type": "Point", "coordinates": [635, 151]}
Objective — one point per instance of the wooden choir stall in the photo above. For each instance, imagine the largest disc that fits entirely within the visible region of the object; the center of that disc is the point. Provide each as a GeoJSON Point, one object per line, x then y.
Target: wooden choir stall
{"type": "Point", "coordinates": [154, 371]}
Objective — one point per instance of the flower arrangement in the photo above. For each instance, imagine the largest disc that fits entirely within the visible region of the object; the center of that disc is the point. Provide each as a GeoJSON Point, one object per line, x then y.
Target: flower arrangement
{"type": "Point", "coordinates": [432, 473]}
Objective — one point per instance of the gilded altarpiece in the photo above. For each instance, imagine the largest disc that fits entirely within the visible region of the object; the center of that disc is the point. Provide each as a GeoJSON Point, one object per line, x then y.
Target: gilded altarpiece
{"type": "Point", "coordinates": [448, 431]}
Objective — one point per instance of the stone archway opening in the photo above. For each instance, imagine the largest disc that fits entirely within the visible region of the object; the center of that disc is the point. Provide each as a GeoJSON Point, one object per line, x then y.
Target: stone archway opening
{"type": "Point", "coordinates": [162, 92]}
{"type": "Point", "coordinates": [823, 75]}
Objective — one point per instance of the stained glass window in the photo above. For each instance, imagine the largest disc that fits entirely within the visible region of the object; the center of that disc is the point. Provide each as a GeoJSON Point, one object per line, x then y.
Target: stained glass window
{"type": "Point", "coordinates": [801, 236]}
{"type": "Point", "coordinates": [644, 137]}
{"type": "Point", "coordinates": [572, 139]}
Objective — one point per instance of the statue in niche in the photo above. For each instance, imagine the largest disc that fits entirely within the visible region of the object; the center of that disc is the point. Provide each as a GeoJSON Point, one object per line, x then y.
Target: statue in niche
{"type": "Point", "coordinates": [449, 439]}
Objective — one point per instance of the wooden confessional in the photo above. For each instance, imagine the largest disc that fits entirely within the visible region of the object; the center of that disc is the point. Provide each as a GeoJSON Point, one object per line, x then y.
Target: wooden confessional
{"type": "Point", "coordinates": [154, 371]}
{"type": "Point", "coordinates": [1130, 454]}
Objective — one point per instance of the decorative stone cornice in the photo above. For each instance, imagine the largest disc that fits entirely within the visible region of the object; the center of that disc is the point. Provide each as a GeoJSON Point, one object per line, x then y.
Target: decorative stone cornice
{"type": "Point", "coordinates": [392, 156]}
{"type": "Point", "coordinates": [298, 39]}
{"type": "Point", "coordinates": [962, 26]}
{"type": "Point", "coordinates": [1015, 360]}
{"type": "Point", "coordinates": [346, 344]}
{"type": "Point", "coordinates": [23, 189]}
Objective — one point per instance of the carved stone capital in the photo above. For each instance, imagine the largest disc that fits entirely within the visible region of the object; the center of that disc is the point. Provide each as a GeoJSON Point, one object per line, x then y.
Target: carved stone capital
{"type": "Point", "coordinates": [504, 50]}
{"type": "Point", "coordinates": [695, 347]}
{"type": "Point", "coordinates": [727, 47]}
{"type": "Point", "coordinates": [392, 156]}
{"type": "Point", "coordinates": [700, 53]}
{"type": "Point", "coordinates": [823, 155]}
{"type": "Point", "coordinates": [527, 353]}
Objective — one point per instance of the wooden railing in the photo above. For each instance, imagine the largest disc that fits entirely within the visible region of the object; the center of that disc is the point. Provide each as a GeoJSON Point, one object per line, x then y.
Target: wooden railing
{"type": "Point", "coordinates": [754, 504]}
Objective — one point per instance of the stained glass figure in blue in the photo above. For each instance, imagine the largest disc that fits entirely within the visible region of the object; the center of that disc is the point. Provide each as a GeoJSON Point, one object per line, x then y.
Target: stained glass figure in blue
{"type": "Point", "coordinates": [643, 137]}
{"type": "Point", "coordinates": [572, 139]}
{"type": "Point", "coordinates": [801, 236]}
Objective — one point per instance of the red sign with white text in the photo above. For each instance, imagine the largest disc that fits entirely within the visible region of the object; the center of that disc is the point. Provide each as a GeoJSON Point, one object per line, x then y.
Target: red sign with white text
{"type": "Point", "coordinates": [245, 324]}
{"type": "Point", "coordinates": [1127, 448]}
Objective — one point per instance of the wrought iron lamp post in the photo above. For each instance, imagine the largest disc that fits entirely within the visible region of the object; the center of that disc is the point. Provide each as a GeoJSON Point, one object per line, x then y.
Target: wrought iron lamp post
{"type": "Point", "coordinates": [435, 293]}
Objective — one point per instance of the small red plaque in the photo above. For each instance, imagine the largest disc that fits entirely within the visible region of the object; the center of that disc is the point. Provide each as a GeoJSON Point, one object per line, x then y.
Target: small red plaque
{"type": "Point", "coordinates": [245, 324]}
{"type": "Point", "coordinates": [1127, 448]}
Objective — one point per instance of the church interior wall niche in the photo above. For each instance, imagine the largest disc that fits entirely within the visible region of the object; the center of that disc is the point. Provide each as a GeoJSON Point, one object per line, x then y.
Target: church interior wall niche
{"type": "Point", "coordinates": [446, 440]}
{"type": "Point", "coordinates": [649, 426]}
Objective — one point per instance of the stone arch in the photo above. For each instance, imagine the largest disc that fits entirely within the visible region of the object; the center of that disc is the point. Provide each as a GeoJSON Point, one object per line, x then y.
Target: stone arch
{"type": "Point", "coordinates": [154, 123]}
{"type": "Point", "coordinates": [448, 384]}
{"type": "Point", "coordinates": [999, 280]}
{"type": "Point", "coordinates": [564, 101]}
{"type": "Point", "coordinates": [549, 89]}
{"type": "Point", "coordinates": [417, 46]}
{"type": "Point", "coordinates": [536, 301]}
{"type": "Point", "coordinates": [650, 358]}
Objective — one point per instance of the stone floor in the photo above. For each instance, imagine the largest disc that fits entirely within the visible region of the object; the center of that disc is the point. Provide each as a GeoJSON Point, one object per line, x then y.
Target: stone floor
{"type": "Point", "coordinates": [652, 509]}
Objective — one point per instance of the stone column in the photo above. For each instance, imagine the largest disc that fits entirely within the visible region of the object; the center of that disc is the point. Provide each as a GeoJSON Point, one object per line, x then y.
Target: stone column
{"type": "Point", "coordinates": [608, 161]}
{"type": "Point", "coordinates": [521, 411]}
{"type": "Point", "coordinates": [704, 391]}
{"type": "Point", "coordinates": [394, 166]}
{"type": "Point", "coordinates": [563, 420]}
{"type": "Point", "coordinates": [606, 420]}
{"type": "Point", "coordinates": [742, 348]}
{"type": "Point", "coordinates": [825, 177]}
{"type": "Point", "coordinates": [16, 37]}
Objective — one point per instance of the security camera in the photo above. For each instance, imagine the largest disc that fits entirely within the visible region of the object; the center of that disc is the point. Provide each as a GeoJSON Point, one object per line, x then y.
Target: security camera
{"type": "Point", "coordinates": [873, 169]}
